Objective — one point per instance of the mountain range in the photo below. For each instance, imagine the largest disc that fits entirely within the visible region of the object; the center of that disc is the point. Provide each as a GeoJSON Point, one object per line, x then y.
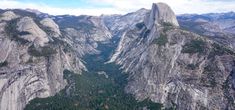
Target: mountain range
{"type": "Point", "coordinates": [144, 60]}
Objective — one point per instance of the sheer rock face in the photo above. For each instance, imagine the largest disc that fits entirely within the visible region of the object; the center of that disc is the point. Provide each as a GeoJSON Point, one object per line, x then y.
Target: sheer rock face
{"type": "Point", "coordinates": [90, 26]}
{"type": "Point", "coordinates": [149, 50]}
{"type": "Point", "coordinates": [159, 13]}
{"type": "Point", "coordinates": [119, 23]}
{"type": "Point", "coordinates": [101, 32]}
{"type": "Point", "coordinates": [80, 42]}
{"type": "Point", "coordinates": [49, 23]}
{"type": "Point", "coordinates": [25, 75]}
{"type": "Point", "coordinates": [35, 34]}
{"type": "Point", "coordinates": [164, 74]}
{"type": "Point", "coordinates": [160, 70]}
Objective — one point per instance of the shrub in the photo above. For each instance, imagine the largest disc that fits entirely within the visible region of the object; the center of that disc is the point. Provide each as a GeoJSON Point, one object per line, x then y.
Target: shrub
{"type": "Point", "coordinates": [23, 33]}
{"type": "Point", "coordinates": [162, 40]}
{"type": "Point", "coordinates": [195, 46]}
{"type": "Point", "coordinates": [140, 25]}
{"type": "Point", "coordinates": [210, 71]}
{"type": "Point", "coordinates": [167, 26]}
{"type": "Point", "coordinates": [145, 33]}
{"type": "Point", "coordinates": [219, 50]}
{"type": "Point", "coordinates": [43, 51]}
{"type": "Point", "coordinates": [191, 66]}
{"type": "Point", "coordinates": [47, 30]}
{"type": "Point", "coordinates": [13, 33]}
{"type": "Point", "coordinates": [3, 64]}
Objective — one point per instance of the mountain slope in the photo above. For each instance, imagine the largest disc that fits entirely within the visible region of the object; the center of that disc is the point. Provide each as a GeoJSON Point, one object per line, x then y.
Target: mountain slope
{"type": "Point", "coordinates": [177, 68]}
{"type": "Point", "coordinates": [68, 62]}
{"type": "Point", "coordinates": [33, 57]}
{"type": "Point", "coordinates": [216, 26]}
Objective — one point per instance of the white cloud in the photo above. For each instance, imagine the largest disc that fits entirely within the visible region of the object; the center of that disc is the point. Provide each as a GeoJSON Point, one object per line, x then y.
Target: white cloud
{"type": "Point", "coordinates": [11, 4]}
{"type": "Point", "coordinates": [179, 6]}
{"type": "Point", "coordinates": [125, 6]}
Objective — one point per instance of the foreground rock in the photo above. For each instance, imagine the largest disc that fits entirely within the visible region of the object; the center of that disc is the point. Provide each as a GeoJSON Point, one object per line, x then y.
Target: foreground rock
{"type": "Point", "coordinates": [31, 65]}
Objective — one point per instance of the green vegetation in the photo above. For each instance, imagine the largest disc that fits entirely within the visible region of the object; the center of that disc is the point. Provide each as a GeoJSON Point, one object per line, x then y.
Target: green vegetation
{"type": "Point", "coordinates": [145, 33]}
{"type": "Point", "coordinates": [23, 33]}
{"type": "Point", "coordinates": [191, 66]}
{"type": "Point", "coordinates": [167, 26]}
{"type": "Point", "coordinates": [209, 71]}
{"type": "Point", "coordinates": [226, 91]}
{"type": "Point", "coordinates": [42, 51]}
{"type": "Point", "coordinates": [3, 64]}
{"type": "Point", "coordinates": [58, 42]}
{"type": "Point", "coordinates": [219, 50]}
{"type": "Point", "coordinates": [13, 33]}
{"type": "Point", "coordinates": [91, 91]}
{"type": "Point", "coordinates": [47, 30]}
{"type": "Point", "coordinates": [194, 46]}
{"type": "Point", "coordinates": [140, 25]}
{"type": "Point", "coordinates": [162, 40]}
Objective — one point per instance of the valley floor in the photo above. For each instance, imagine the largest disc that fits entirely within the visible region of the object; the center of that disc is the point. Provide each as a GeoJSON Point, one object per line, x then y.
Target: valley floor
{"type": "Point", "coordinates": [99, 88]}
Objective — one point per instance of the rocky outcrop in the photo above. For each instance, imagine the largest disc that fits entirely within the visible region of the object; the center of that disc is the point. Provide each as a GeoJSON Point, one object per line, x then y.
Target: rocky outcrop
{"type": "Point", "coordinates": [52, 27]}
{"type": "Point", "coordinates": [160, 13]}
{"type": "Point", "coordinates": [92, 27]}
{"type": "Point", "coordinates": [101, 32]}
{"type": "Point", "coordinates": [33, 68]}
{"type": "Point", "coordinates": [117, 23]}
{"type": "Point", "coordinates": [149, 22]}
{"type": "Point", "coordinates": [26, 77]}
{"type": "Point", "coordinates": [180, 69]}
{"type": "Point", "coordinates": [32, 32]}
{"type": "Point", "coordinates": [7, 16]}
{"type": "Point", "coordinates": [80, 42]}
{"type": "Point", "coordinates": [168, 65]}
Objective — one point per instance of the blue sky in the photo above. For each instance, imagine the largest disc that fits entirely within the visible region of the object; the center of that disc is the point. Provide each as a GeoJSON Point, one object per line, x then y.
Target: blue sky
{"type": "Point", "coordinates": [98, 7]}
{"type": "Point", "coordinates": [66, 3]}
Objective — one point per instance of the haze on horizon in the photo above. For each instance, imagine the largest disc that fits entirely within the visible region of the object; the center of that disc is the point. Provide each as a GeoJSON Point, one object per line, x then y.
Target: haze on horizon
{"type": "Point", "coordinates": [98, 7]}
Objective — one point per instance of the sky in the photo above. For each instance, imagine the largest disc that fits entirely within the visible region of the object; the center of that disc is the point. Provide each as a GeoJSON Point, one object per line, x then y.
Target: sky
{"type": "Point", "coordinates": [98, 7]}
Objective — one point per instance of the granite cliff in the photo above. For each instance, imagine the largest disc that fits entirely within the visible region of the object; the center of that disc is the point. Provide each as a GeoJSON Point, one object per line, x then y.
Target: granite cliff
{"type": "Point", "coordinates": [175, 67]}
{"type": "Point", "coordinates": [164, 61]}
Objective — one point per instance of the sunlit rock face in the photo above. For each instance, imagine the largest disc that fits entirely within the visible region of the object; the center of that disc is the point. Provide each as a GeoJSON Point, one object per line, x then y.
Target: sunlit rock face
{"type": "Point", "coordinates": [52, 26]}
{"type": "Point", "coordinates": [165, 65]}
{"type": "Point", "coordinates": [32, 62]}
{"type": "Point", "coordinates": [35, 34]}
{"type": "Point", "coordinates": [159, 13]}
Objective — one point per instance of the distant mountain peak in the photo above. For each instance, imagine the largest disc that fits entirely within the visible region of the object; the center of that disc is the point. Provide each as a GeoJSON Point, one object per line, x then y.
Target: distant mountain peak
{"type": "Point", "coordinates": [33, 11]}
{"type": "Point", "coordinates": [161, 12]}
